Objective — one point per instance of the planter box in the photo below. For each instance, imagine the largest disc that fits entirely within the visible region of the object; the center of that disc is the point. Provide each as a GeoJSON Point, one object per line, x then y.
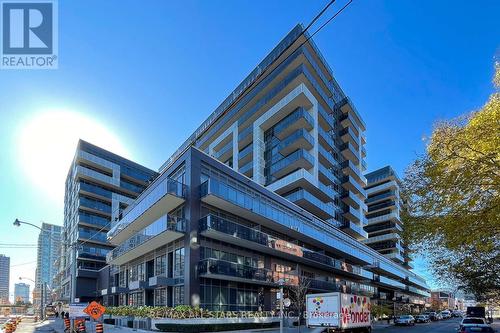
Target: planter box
{"type": "Point", "coordinates": [213, 324]}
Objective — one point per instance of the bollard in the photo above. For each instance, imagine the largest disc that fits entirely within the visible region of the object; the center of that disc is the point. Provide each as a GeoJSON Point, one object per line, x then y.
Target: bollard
{"type": "Point", "coordinates": [81, 327]}
{"type": "Point", "coordinates": [99, 328]}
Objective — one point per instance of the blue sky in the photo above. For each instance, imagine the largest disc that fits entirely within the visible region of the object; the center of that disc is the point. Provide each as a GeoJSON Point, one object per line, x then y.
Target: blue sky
{"type": "Point", "coordinates": [151, 71]}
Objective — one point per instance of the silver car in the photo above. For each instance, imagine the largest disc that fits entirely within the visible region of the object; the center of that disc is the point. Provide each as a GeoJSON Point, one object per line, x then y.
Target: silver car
{"type": "Point", "coordinates": [405, 320]}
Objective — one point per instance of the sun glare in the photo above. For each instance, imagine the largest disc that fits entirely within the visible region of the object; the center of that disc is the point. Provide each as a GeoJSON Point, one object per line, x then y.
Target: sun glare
{"type": "Point", "coordinates": [47, 143]}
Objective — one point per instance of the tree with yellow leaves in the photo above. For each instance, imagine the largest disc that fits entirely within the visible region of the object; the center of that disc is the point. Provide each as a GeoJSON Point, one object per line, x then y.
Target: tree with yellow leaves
{"type": "Point", "coordinates": [453, 194]}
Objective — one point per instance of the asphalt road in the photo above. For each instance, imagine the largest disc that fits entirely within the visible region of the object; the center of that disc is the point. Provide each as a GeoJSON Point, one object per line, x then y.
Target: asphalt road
{"type": "Point", "coordinates": [442, 326]}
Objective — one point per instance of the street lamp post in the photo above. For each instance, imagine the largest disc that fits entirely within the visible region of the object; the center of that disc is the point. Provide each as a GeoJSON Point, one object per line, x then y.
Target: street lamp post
{"type": "Point", "coordinates": [281, 283]}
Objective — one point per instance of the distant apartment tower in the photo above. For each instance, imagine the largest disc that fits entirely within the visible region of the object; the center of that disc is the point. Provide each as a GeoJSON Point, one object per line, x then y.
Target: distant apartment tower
{"type": "Point", "coordinates": [99, 186]}
{"type": "Point", "coordinates": [4, 278]}
{"type": "Point", "coordinates": [21, 293]}
{"type": "Point", "coordinates": [384, 224]}
{"type": "Point", "coordinates": [49, 242]}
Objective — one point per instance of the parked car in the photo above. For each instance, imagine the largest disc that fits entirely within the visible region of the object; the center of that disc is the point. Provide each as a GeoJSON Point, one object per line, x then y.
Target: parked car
{"type": "Point", "coordinates": [422, 318]}
{"type": "Point", "coordinates": [446, 314]}
{"type": "Point", "coordinates": [439, 316]}
{"type": "Point", "coordinates": [456, 313]}
{"type": "Point", "coordinates": [405, 320]}
{"type": "Point", "coordinates": [432, 315]}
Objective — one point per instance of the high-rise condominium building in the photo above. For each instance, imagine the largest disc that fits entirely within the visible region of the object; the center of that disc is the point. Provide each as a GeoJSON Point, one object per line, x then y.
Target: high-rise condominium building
{"type": "Point", "coordinates": [384, 215]}
{"type": "Point", "coordinates": [21, 293]}
{"type": "Point", "coordinates": [4, 278]}
{"type": "Point", "coordinates": [49, 243]}
{"type": "Point", "coordinates": [99, 186]}
{"type": "Point", "coordinates": [269, 188]}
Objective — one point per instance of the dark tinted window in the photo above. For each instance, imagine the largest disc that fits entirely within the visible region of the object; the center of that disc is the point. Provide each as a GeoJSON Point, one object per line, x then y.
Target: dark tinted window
{"type": "Point", "coordinates": [472, 321]}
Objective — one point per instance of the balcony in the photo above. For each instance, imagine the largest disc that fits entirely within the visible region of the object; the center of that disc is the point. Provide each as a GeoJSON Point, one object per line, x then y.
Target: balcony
{"type": "Point", "coordinates": [348, 135]}
{"type": "Point", "coordinates": [391, 236]}
{"type": "Point", "coordinates": [215, 227]}
{"type": "Point", "coordinates": [245, 136]}
{"type": "Point", "coordinates": [378, 197]}
{"type": "Point", "coordinates": [224, 152]}
{"type": "Point", "coordinates": [226, 270]}
{"type": "Point", "coordinates": [163, 231]}
{"type": "Point", "coordinates": [138, 284]}
{"type": "Point", "coordinates": [245, 155]}
{"type": "Point", "coordinates": [389, 282]}
{"type": "Point", "coordinates": [349, 168]}
{"type": "Point", "coordinates": [157, 200]}
{"type": "Point", "coordinates": [298, 119]}
{"type": "Point", "coordinates": [350, 153]}
{"type": "Point", "coordinates": [383, 218]}
{"type": "Point", "coordinates": [325, 119]}
{"type": "Point", "coordinates": [247, 169]}
{"type": "Point", "coordinates": [326, 175]}
{"type": "Point", "coordinates": [395, 256]}
{"type": "Point", "coordinates": [312, 204]}
{"type": "Point", "coordinates": [347, 107]}
{"type": "Point", "coordinates": [326, 139]}
{"type": "Point", "coordinates": [326, 158]}
{"type": "Point", "coordinates": [298, 139]}
{"type": "Point", "coordinates": [163, 281]}
{"type": "Point", "coordinates": [382, 206]}
{"type": "Point", "coordinates": [354, 230]}
{"type": "Point", "coordinates": [296, 160]}
{"type": "Point", "coordinates": [351, 184]}
{"type": "Point", "coordinates": [352, 214]}
{"type": "Point", "coordinates": [352, 199]}
{"type": "Point", "coordinates": [382, 187]}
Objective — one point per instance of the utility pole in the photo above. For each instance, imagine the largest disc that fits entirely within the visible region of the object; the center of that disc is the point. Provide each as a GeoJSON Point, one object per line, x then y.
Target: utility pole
{"type": "Point", "coordinates": [281, 283]}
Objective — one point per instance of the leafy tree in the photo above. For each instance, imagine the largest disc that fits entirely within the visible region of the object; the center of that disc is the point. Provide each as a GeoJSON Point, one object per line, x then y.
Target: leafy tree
{"type": "Point", "coordinates": [453, 195]}
{"type": "Point", "coordinates": [380, 310]}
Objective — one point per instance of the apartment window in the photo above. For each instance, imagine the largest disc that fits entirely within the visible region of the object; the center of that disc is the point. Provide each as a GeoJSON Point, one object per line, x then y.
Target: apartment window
{"type": "Point", "coordinates": [179, 262]}
{"type": "Point", "coordinates": [122, 278]}
{"type": "Point", "coordinates": [160, 296]}
{"type": "Point", "coordinates": [178, 295]}
{"type": "Point", "coordinates": [122, 299]}
{"type": "Point", "coordinates": [141, 272]}
{"type": "Point", "coordinates": [136, 299]}
{"type": "Point", "coordinates": [160, 265]}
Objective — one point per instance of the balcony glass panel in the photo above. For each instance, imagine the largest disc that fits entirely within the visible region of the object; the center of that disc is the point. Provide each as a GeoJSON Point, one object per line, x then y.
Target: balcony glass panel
{"type": "Point", "coordinates": [149, 197]}
{"type": "Point", "coordinates": [164, 224]}
{"type": "Point", "coordinates": [93, 219]}
{"type": "Point", "coordinates": [304, 195]}
{"type": "Point", "coordinates": [293, 157]}
{"type": "Point", "coordinates": [95, 204]}
{"type": "Point", "coordinates": [328, 156]}
{"type": "Point", "coordinates": [297, 135]}
{"type": "Point", "coordinates": [292, 118]}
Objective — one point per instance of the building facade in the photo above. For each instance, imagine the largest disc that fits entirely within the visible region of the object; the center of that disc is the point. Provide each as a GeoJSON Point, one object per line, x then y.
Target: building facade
{"type": "Point", "coordinates": [48, 245]}
{"type": "Point", "coordinates": [22, 293]}
{"type": "Point", "coordinates": [99, 186]}
{"type": "Point", "coordinates": [383, 215]}
{"type": "Point", "coordinates": [443, 300]}
{"type": "Point", "coordinates": [4, 278]}
{"type": "Point", "coordinates": [269, 188]}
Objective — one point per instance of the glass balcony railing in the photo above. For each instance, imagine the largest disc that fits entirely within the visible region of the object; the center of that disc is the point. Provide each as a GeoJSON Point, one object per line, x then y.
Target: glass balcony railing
{"type": "Point", "coordinates": [226, 268]}
{"type": "Point", "coordinates": [328, 157]}
{"type": "Point", "coordinates": [93, 219]}
{"type": "Point", "coordinates": [304, 195]}
{"type": "Point", "coordinates": [380, 197]}
{"type": "Point", "coordinates": [246, 152]}
{"type": "Point", "coordinates": [328, 174]}
{"type": "Point", "coordinates": [300, 134]}
{"type": "Point", "coordinates": [91, 188]}
{"type": "Point", "coordinates": [299, 113]}
{"type": "Point", "coordinates": [225, 149]}
{"type": "Point", "coordinates": [164, 224]}
{"type": "Point", "coordinates": [242, 136]}
{"type": "Point", "coordinates": [149, 197]}
{"type": "Point", "coordinates": [326, 116]}
{"type": "Point", "coordinates": [95, 204]}
{"type": "Point", "coordinates": [92, 235]}
{"type": "Point", "coordinates": [289, 160]}
{"type": "Point", "coordinates": [246, 168]}
{"type": "Point", "coordinates": [212, 222]}
{"type": "Point", "coordinates": [327, 138]}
